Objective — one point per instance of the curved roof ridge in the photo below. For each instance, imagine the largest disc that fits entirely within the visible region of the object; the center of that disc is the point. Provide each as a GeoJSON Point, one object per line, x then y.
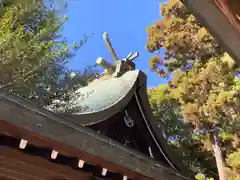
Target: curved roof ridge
{"type": "Point", "coordinates": [102, 99]}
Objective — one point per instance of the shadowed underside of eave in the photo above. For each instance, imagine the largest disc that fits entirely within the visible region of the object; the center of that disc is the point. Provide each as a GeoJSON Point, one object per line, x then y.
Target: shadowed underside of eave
{"type": "Point", "coordinates": [15, 165]}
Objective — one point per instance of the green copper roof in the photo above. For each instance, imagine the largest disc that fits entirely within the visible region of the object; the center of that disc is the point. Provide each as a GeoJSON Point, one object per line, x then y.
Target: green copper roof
{"type": "Point", "coordinates": [99, 100]}
{"type": "Point", "coordinates": [101, 95]}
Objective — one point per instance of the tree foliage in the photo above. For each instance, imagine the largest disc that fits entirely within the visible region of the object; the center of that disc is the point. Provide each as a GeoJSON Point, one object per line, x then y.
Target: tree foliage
{"type": "Point", "coordinates": [181, 36]}
{"type": "Point", "coordinates": [208, 100]}
{"type": "Point", "coordinates": [33, 52]}
{"type": "Point", "coordinates": [167, 111]}
{"type": "Point", "coordinates": [204, 85]}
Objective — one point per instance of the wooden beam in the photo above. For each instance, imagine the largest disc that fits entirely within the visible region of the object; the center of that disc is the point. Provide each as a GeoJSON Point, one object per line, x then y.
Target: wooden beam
{"type": "Point", "coordinates": [17, 164]}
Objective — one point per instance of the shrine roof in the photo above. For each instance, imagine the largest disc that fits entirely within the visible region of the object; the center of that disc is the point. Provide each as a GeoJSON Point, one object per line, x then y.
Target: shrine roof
{"type": "Point", "coordinates": [102, 94]}
{"type": "Point", "coordinates": [102, 98]}
{"type": "Point", "coordinates": [45, 129]}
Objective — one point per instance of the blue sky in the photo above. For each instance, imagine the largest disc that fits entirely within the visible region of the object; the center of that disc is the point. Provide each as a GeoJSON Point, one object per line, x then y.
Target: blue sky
{"type": "Point", "coordinates": [124, 20]}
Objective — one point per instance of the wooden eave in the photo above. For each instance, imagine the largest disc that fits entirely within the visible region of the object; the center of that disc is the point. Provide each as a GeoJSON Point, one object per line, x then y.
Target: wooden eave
{"type": "Point", "coordinates": [44, 130]}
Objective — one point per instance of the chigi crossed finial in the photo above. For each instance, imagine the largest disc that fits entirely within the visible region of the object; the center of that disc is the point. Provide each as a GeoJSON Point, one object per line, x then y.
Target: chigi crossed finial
{"type": "Point", "coordinates": [120, 66]}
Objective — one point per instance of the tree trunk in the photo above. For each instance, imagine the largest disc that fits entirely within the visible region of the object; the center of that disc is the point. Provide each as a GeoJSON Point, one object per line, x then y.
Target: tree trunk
{"type": "Point", "coordinates": [218, 157]}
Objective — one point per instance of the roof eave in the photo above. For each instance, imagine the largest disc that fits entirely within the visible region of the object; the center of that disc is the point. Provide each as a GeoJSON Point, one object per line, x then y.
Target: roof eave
{"type": "Point", "coordinates": [63, 135]}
